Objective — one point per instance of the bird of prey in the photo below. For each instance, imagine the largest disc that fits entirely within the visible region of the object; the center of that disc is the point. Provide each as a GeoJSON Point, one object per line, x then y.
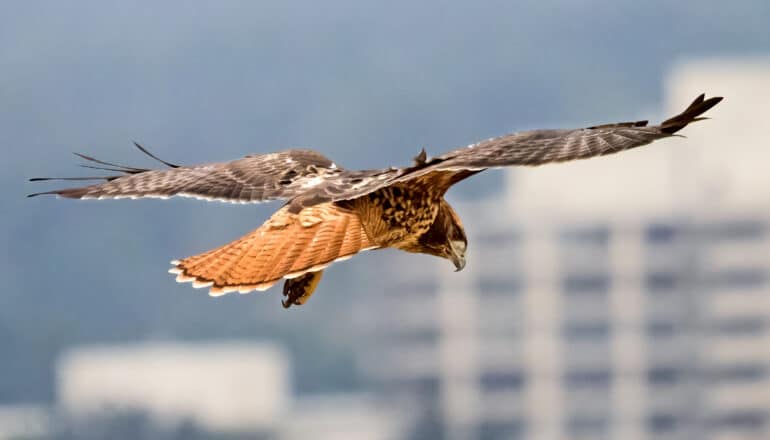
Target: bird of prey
{"type": "Point", "coordinates": [332, 213]}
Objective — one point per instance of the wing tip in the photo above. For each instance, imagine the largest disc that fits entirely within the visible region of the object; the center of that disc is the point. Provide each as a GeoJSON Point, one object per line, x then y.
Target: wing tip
{"type": "Point", "coordinates": [147, 152]}
{"type": "Point", "coordinates": [69, 193]}
{"type": "Point", "coordinates": [76, 193]}
{"type": "Point", "coordinates": [692, 113]}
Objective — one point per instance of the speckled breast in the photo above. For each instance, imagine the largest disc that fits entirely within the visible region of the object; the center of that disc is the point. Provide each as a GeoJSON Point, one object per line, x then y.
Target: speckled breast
{"type": "Point", "coordinates": [397, 215]}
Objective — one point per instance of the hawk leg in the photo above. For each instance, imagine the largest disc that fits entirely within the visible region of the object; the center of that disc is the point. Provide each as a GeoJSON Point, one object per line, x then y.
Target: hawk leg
{"type": "Point", "coordinates": [298, 290]}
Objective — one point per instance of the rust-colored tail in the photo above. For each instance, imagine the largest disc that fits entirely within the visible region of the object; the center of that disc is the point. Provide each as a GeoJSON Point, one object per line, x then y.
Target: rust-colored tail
{"type": "Point", "coordinates": [285, 246]}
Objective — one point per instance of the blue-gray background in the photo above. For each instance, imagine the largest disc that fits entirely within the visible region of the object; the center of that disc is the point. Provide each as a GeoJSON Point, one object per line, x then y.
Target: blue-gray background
{"type": "Point", "coordinates": [368, 84]}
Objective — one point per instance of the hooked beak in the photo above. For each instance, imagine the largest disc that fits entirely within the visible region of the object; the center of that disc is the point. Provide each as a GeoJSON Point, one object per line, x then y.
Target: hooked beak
{"type": "Point", "coordinates": [458, 248]}
{"type": "Point", "coordinates": [459, 262]}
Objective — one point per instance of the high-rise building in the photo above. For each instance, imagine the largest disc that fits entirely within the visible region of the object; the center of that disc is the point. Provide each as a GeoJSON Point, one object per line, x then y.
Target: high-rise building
{"type": "Point", "coordinates": [625, 297]}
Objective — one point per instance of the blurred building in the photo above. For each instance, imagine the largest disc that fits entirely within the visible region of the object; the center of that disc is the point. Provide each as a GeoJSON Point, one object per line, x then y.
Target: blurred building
{"type": "Point", "coordinates": [220, 387]}
{"type": "Point", "coordinates": [344, 417]}
{"type": "Point", "coordinates": [175, 390]}
{"type": "Point", "coordinates": [24, 421]}
{"type": "Point", "coordinates": [625, 297]}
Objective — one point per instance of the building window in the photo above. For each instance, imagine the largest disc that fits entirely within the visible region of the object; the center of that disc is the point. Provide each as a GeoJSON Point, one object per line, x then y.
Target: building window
{"type": "Point", "coordinates": [658, 282]}
{"type": "Point", "coordinates": [662, 233]}
{"type": "Point", "coordinates": [743, 230]}
{"type": "Point", "coordinates": [499, 285]}
{"type": "Point", "coordinates": [502, 380]}
{"type": "Point", "coordinates": [579, 284]}
{"type": "Point", "coordinates": [662, 329]}
{"type": "Point", "coordinates": [583, 331]}
{"type": "Point", "coordinates": [422, 336]}
{"type": "Point", "coordinates": [664, 375]}
{"type": "Point", "coordinates": [427, 387]}
{"type": "Point", "coordinates": [743, 278]}
{"type": "Point", "coordinates": [660, 423]}
{"type": "Point", "coordinates": [741, 326]}
{"type": "Point", "coordinates": [512, 430]}
{"type": "Point", "coordinates": [745, 373]}
{"type": "Point", "coordinates": [588, 378]}
{"type": "Point", "coordinates": [748, 419]}
{"type": "Point", "coordinates": [583, 425]}
{"type": "Point", "coordinates": [586, 236]}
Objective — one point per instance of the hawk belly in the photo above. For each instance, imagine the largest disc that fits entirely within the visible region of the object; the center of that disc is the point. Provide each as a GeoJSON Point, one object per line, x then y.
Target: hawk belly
{"type": "Point", "coordinates": [397, 216]}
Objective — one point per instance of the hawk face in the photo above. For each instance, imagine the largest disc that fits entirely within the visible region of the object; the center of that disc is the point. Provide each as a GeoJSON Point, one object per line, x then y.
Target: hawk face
{"type": "Point", "coordinates": [446, 237]}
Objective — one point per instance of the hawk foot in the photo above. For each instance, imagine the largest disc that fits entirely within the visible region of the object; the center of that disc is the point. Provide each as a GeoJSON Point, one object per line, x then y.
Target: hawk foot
{"type": "Point", "coordinates": [298, 290]}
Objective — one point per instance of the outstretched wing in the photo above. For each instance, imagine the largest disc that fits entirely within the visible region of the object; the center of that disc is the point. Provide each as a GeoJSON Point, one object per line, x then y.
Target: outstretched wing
{"type": "Point", "coordinates": [254, 178]}
{"type": "Point", "coordinates": [538, 147]}
{"type": "Point", "coordinates": [287, 245]}
{"type": "Point", "coordinates": [535, 147]}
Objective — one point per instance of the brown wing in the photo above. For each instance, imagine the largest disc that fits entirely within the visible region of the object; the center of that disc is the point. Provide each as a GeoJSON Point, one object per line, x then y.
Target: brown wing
{"type": "Point", "coordinates": [543, 146]}
{"type": "Point", "coordinates": [538, 147]}
{"type": "Point", "coordinates": [286, 246]}
{"type": "Point", "coordinates": [534, 147]}
{"type": "Point", "coordinates": [254, 178]}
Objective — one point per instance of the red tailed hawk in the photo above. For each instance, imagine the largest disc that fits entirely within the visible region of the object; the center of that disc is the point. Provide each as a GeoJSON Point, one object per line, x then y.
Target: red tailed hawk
{"type": "Point", "coordinates": [332, 213]}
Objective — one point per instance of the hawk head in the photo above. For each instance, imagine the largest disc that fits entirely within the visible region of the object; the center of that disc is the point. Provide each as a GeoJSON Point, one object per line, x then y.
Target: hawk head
{"type": "Point", "coordinates": [446, 237]}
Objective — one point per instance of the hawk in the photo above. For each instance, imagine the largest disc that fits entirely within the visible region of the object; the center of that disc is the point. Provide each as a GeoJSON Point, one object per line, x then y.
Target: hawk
{"type": "Point", "coordinates": [332, 213]}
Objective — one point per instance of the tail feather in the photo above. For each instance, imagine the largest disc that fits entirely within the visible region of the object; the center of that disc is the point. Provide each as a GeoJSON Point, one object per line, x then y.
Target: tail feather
{"type": "Point", "coordinates": [313, 254]}
{"type": "Point", "coordinates": [286, 255]}
{"type": "Point", "coordinates": [286, 246]}
{"type": "Point", "coordinates": [293, 253]}
{"type": "Point", "coordinates": [339, 233]}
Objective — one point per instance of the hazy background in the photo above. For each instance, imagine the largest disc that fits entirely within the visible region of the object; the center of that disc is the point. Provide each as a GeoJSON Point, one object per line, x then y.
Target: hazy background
{"type": "Point", "coordinates": [365, 83]}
